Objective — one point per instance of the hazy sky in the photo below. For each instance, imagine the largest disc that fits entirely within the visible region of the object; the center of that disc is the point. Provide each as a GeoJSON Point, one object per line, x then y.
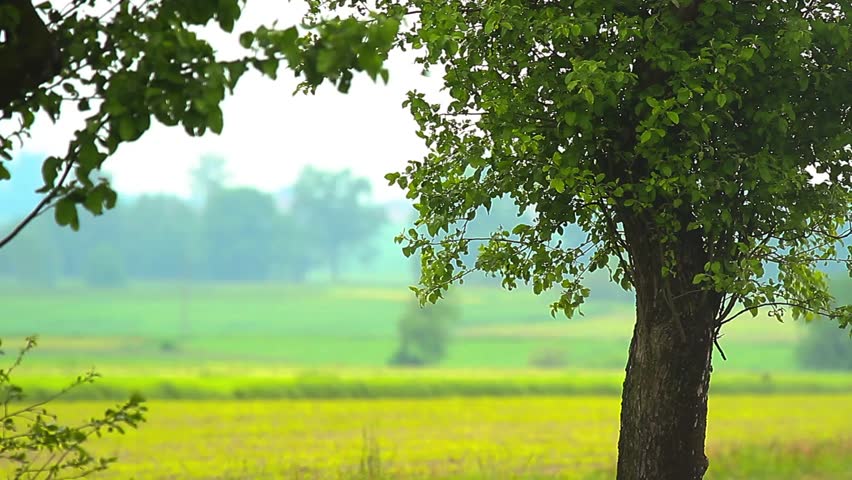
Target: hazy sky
{"type": "Point", "coordinates": [269, 134]}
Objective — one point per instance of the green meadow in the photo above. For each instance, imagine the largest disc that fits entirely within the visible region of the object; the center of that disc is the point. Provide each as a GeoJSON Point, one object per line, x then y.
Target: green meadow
{"type": "Point", "coordinates": [315, 326]}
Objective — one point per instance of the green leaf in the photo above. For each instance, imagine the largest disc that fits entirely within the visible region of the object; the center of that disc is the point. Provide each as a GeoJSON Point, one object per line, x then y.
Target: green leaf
{"type": "Point", "coordinates": [66, 213]}
{"type": "Point", "coordinates": [94, 201]}
{"type": "Point", "coordinates": [88, 157]}
{"type": "Point", "coordinates": [570, 118]}
{"type": "Point", "coordinates": [387, 30]}
{"type": "Point", "coordinates": [392, 177]}
{"type": "Point", "coordinates": [721, 100]}
{"type": "Point", "coordinates": [49, 170]}
{"type": "Point", "coordinates": [247, 39]}
{"type": "Point", "coordinates": [674, 117]}
{"type": "Point", "coordinates": [646, 136]}
{"type": "Point", "coordinates": [558, 184]}
{"type": "Point", "coordinates": [126, 129]}
{"type": "Point", "coordinates": [215, 120]}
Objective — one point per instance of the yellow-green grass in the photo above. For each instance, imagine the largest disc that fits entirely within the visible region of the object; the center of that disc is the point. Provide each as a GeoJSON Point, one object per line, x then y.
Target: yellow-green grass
{"type": "Point", "coordinates": [235, 382]}
{"type": "Point", "coordinates": [753, 437]}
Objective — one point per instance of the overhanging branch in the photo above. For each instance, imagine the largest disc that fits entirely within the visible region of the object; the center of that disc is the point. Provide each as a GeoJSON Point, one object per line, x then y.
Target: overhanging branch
{"type": "Point", "coordinates": [40, 208]}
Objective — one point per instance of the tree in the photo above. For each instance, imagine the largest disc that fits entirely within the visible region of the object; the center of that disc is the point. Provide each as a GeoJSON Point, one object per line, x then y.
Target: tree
{"type": "Point", "coordinates": [695, 143]}
{"type": "Point", "coordinates": [210, 175]}
{"type": "Point", "coordinates": [334, 208]}
{"type": "Point", "coordinates": [238, 228]}
{"type": "Point", "coordinates": [36, 260]}
{"type": "Point", "coordinates": [121, 66]}
{"type": "Point", "coordinates": [424, 331]}
{"type": "Point", "coordinates": [159, 237]}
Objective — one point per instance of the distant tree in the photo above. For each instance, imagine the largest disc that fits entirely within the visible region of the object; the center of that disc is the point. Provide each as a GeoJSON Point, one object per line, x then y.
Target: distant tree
{"type": "Point", "coordinates": [335, 210]}
{"type": "Point", "coordinates": [209, 176]}
{"type": "Point", "coordinates": [37, 259]}
{"type": "Point", "coordinates": [825, 347]}
{"type": "Point", "coordinates": [104, 266]}
{"type": "Point", "coordinates": [424, 332]}
{"type": "Point", "coordinates": [239, 228]}
{"type": "Point", "coordinates": [294, 257]}
{"type": "Point", "coordinates": [159, 237]}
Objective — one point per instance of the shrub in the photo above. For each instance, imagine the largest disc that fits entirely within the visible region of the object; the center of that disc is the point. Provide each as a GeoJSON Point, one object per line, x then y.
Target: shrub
{"type": "Point", "coordinates": [424, 333]}
{"type": "Point", "coordinates": [35, 445]}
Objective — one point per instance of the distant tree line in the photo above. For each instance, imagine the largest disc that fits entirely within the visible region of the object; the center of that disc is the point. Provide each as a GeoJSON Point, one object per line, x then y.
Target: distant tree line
{"type": "Point", "coordinates": [325, 220]}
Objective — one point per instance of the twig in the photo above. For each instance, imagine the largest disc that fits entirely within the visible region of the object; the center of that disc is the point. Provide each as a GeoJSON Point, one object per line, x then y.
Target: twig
{"type": "Point", "coordinates": [38, 208]}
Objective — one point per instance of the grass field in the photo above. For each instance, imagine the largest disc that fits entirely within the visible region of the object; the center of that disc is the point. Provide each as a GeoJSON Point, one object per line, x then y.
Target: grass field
{"type": "Point", "coordinates": [326, 326]}
{"type": "Point", "coordinates": [282, 381]}
{"type": "Point", "coordinates": [230, 382]}
{"type": "Point", "coordinates": [750, 437]}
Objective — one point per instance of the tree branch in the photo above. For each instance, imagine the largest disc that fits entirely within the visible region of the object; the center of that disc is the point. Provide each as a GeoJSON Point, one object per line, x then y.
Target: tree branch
{"type": "Point", "coordinates": [776, 304]}
{"type": "Point", "coordinates": [39, 209]}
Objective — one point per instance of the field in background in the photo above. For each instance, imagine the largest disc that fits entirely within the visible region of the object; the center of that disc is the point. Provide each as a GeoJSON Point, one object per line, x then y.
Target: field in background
{"type": "Point", "coordinates": [333, 410]}
{"type": "Point", "coordinates": [235, 382]}
{"type": "Point", "coordinates": [755, 438]}
{"type": "Point", "coordinates": [315, 326]}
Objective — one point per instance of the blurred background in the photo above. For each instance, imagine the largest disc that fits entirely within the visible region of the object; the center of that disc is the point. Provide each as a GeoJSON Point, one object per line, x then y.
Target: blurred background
{"type": "Point", "coordinates": [308, 275]}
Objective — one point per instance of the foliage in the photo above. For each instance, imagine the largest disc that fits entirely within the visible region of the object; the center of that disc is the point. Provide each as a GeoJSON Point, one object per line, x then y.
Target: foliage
{"type": "Point", "coordinates": [238, 227]}
{"type": "Point", "coordinates": [34, 445]}
{"type": "Point", "coordinates": [35, 260]}
{"type": "Point", "coordinates": [424, 332]}
{"type": "Point", "coordinates": [123, 65]}
{"type": "Point", "coordinates": [159, 237]}
{"type": "Point", "coordinates": [693, 120]}
{"type": "Point", "coordinates": [825, 347]}
{"type": "Point", "coordinates": [498, 219]}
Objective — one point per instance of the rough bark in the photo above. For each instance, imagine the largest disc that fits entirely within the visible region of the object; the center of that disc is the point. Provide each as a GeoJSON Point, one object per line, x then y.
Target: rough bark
{"type": "Point", "coordinates": [664, 401]}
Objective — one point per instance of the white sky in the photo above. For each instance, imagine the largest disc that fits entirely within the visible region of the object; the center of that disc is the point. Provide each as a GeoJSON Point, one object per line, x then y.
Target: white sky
{"type": "Point", "coordinates": [269, 134]}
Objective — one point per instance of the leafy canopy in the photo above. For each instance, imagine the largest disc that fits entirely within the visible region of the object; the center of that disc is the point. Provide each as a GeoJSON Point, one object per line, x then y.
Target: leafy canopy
{"type": "Point", "coordinates": [716, 124]}
{"type": "Point", "coordinates": [123, 65]}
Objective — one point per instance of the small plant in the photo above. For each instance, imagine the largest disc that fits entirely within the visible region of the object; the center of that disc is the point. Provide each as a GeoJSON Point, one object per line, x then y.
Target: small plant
{"type": "Point", "coordinates": [35, 446]}
{"type": "Point", "coordinates": [370, 465]}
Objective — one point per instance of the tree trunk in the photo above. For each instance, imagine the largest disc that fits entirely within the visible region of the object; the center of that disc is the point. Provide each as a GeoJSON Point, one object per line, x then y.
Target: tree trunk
{"type": "Point", "coordinates": [664, 401]}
